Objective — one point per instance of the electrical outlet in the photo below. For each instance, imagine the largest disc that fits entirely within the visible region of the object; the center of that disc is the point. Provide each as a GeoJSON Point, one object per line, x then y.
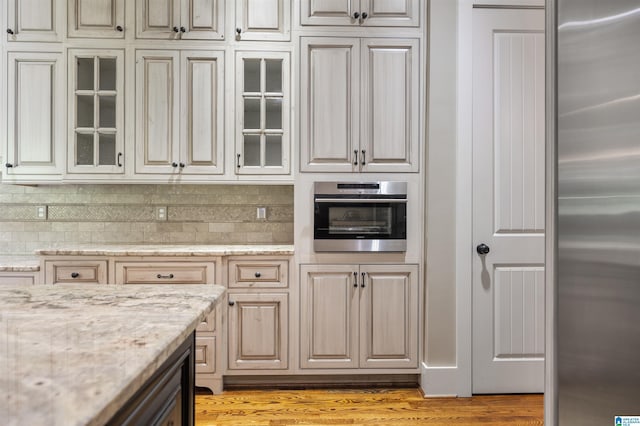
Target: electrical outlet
{"type": "Point", "coordinates": [41, 212]}
{"type": "Point", "coordinates": [261, 213]}
{"type": "Point", "coordinates": [161, 213]}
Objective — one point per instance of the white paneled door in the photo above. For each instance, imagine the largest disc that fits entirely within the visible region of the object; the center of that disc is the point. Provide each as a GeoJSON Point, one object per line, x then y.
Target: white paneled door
{"type": "Point", "coordinates": [508, 200]}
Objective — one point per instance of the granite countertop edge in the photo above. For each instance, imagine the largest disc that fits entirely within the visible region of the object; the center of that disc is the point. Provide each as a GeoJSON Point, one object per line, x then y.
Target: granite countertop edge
{"type": "Point", "coordinates": [168, 250]}
{"type": "Point", "coordinates": [19, 263]}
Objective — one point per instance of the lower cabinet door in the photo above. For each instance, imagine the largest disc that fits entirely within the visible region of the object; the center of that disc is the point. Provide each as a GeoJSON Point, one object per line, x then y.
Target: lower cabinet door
{"type": "Point", "coordinates": [258, 331]}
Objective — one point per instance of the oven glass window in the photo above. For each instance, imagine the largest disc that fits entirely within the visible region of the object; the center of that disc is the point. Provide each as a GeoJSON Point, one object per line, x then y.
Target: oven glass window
{"type": "Point", "coordinates": [362, 220]}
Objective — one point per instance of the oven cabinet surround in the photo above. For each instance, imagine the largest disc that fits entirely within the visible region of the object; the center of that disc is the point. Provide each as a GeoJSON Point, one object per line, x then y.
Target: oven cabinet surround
{"type": "Point", "coordinates": [180, 19]}
{"type": "Point", "coordinates": [35, 107]}
{"type": "Point", "coordinates": [359, 104]}
{"type": "Point", "coordinates": [359, 316]}
{"type": "Point", "coordinates": [31, 21]}
{"type": "Point", "coordinates": [361, 13]}
{"type": "Point", "coordinates": [179, 112]}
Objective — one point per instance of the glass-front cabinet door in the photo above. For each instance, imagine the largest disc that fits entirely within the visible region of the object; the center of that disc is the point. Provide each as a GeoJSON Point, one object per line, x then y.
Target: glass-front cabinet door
{"type": "Point", "coordinates": [262, 108]}
{"type": "Point", "coordinates": [96, 111]}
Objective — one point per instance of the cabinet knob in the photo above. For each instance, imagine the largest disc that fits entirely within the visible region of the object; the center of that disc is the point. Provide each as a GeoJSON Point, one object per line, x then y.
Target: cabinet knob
{"type": "Point", "coordinates": [176, 29]}
{"type": "Point", "coordinates": [182, 165]}
{"type": "Point", "coordinates": [231, 303]}
{"type": "Point", "coordinates": [10, 31]}
{"type": "Point", "coordinates": [75, 275]}
{"type": "Point", "coordinates": [164, 277]}
{"type": "Point", "coordinates": [258, 274]}
{"type": "Point", "coordinates": [238, 30]}
{"type": "Point", "coordinates": [174, 164]}
{"type": "Point", "coordinates": [8, 165]}
{"type": "Point", "coordinates": [183, 30]}
{"type": "Point", "coordinates": [356, 15]}
{"type": "Point", "coordinates": [364, 15]}
{"type": "Point", "coordinates": [119, 28]}
{"type": "Point", "coordinates": [483, 249]}
{"type": "Point", "coordinates": [362, 283]}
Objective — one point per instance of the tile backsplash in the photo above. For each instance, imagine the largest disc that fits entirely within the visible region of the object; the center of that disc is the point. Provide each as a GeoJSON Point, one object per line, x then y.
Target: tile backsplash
{"type": "Point", "coordinates": [63, 215]}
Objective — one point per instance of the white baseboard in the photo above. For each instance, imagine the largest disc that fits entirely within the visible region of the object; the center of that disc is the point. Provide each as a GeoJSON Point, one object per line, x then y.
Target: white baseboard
{"type": "Point", "coordinates": [444, 382]}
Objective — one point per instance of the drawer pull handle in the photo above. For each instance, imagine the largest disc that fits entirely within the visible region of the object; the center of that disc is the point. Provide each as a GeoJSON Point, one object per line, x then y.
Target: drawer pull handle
{"type": "Point", "coordinates": [165, 277]}
{"type": "Point", "coordinates": [258, 274]}
{"type": "Point", "coordinates": [231, 303]}
{"type": "Point", "coordinates": [75, 275]}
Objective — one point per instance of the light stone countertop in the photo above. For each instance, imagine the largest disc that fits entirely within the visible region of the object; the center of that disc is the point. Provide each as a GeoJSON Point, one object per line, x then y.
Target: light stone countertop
{"type": "Point", "coordinates": [168, 250]}
{"type": "Point", "coordinates": [75, 354]}
{"type": "Point", "coordinates": [19, 264]}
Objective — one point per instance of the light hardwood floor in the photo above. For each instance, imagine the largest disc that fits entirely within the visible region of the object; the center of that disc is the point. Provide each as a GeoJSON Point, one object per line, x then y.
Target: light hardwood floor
{"type": "Point", "coordinates": [363, 407]}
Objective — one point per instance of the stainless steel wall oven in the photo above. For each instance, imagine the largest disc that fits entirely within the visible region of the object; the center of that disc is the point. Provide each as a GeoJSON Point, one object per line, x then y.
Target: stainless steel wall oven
{"type": "Point", "coordinates": [360, 216]}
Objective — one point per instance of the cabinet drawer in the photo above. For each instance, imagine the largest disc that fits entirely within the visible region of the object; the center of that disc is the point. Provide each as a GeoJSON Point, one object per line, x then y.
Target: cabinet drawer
{"type": "Point", "coordinates": [71, 271]}
{"type": "Point", "coordinates": [209, 323]}
{"type": "Point", "coordinates": [205, 354]}
{"type": "Point", "coordinates": [164, 273]}
{"type": "Point", "coordinates": [273, 273]}
{"type": "Point", "coordinates": [17, 279]}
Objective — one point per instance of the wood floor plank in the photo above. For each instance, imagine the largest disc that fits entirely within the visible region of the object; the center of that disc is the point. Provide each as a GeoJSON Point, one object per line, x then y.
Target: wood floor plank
{"type": "Point", "coordinates": [364, 407]}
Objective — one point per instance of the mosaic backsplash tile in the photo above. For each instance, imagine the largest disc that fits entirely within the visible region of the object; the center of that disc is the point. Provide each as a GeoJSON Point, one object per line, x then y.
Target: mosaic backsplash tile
{"type": "Point", "coordinates": [127, 214]}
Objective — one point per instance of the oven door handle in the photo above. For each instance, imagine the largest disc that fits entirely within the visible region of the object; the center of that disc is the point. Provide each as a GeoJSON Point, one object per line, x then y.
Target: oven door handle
{"type": "Point", "coordinates": [360, 200]}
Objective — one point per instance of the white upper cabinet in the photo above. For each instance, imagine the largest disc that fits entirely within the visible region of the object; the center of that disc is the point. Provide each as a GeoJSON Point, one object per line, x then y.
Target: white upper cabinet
{"type": "Point", "coordinates": [262, 113]}
{"type": "Point", "coordinates": [368, 13]}
{"type": "Point", "coordinates": [96, 18]}
{"type": "Point", "coordinates": [179, 112]}
{"type": "Point", "coordinates": [96, 111]}
{"type": "Point", "coordinates": [35, 116]}
{"type": "Point", "coordinates": [263, 20]}
{"type": "Point", "coordinates": [34, 20]}
{"type": "Point", "coordinates": [360, 105]}
{"type": "Point", "coordinates": [180, 19]}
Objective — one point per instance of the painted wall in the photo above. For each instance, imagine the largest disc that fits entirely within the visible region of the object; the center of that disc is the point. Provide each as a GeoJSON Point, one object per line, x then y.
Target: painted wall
{"type": "Point", "coordinates": [111, 214]}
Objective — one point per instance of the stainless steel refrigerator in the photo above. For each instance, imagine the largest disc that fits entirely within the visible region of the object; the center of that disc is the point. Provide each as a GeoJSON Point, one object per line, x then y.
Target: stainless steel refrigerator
{"type": "Point", "coordinates": [597, 362]}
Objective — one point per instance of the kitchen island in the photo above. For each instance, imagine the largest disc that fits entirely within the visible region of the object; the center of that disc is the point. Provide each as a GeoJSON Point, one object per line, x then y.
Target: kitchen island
{"type": "Point", "coordinates": [78, 354]}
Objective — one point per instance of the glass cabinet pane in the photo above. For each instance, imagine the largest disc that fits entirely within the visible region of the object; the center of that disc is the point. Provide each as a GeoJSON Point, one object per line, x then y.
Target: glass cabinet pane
{"type": "Point", "coordinates": [107, 74]}
{"type": "Point", "coordinates": [252, 150]}
{"type": "Point", "coordinates": [273, 75]}
{"type": "Point", "coordinates": [85, 74]}
{"type": "Point", "coordinates": [252, 75]}
{"type": "Point", "coordinates": [106, 149]}
{"type": "Point", "coordinates": [107, 111]}
{"type": "Point", "coordinates": [84, 152]}
{"type": "Point", "coordinates": [252, 113]}
{"type": "Point", "coordinates": [273, 114]}
{"type": "Point", "coordinates": [273, 151]}
{"type": "Point", "coordinates": [84, 111]}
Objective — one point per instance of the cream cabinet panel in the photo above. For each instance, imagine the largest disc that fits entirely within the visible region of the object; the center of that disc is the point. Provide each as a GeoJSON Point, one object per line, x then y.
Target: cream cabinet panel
{"type": "Point", "coordinates": [164, 272]}
{"type": "Point", "coordinates": [330, 103]}
{"type": "Point", "coordinates": [75, 271]}
{"type": "Point", "coordinates": [18, 278]}
{"type": "Point", "coordinates": [367, 13]}
{"type": "Point", "coordinates": [389, 316]}
{"type": "Point", "coordinates": [96, 18]}
{"type": "Point", "coordinates": [258, 331]}
{"type": "Point", "coordinates": [329, 316]}
{"type": "Point", "coordinates": [263, 20]}
{"type": "Point", "coordinates": [157, 111]}
{"type": "Point", "coordinates": [179, 112]}
{"type": "Point", "coordinates": [360, 105]}
{"type": "Point", "coordinates": [35, 115]}
{"type": "Point", "coordinates": [96, 111]}
{"type": "Point", "coordinates": [262, 113]}
{"type": "Point", "coordinates": [180, 19]}
{"type": "Point", "coordinates": [34, 20]}
{"type": "Point", "coordinates": [390, 106]}
{"type": "Point", "coordinates": [270, 273]}
{"type": "Point", "coordinates": [205, 354]}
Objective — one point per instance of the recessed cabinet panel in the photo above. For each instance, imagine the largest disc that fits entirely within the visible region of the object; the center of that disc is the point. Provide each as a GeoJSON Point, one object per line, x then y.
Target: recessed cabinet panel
{"type": "Point", "coordinates": [328, 12]}
{"type": "Point", "coordinates": [180, 19]}
{"type": "Point", "coordinates": [391, 13]}
{"type": "Point", "coordinates": [34, 20]}
{"type": "Point", "coordinates": [263, 20]}
{"type": "Point", "coordinates": [329, 104]}
{"type": "Point", "coordinates": [158, 19]}
{"type": "Point", "coordinates": [35, 113]}
{"type": "Point", "coordinates": [366, 13]}
{"type": "Point", "coordinates": [202, 19]}
{"type": "Point", "coordinates": [96, 18]}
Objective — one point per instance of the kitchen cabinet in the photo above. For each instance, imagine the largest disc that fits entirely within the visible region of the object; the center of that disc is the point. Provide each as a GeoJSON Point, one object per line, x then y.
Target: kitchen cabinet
{"type": "Point", "coordinates": [179, 112]}
{"type": "Point", "coordinates": [18, 278]}
{"type": "Point", "coordinates": [35, 116]}
{"type": "Point", "coordinates": [258, 313]}
{"type": "Point", "coordinates": [34, 20]}
{"type": "Point", "coordinates": [366, 13]}
{"type": "Point", "coordinates": [359, 316]}
{"type": "Point", "coordinates": [96, 18]}
{"type": "Point", "coordinates": [75, 271]}
{"type": "Point", "coordinates": [360, 105]}
{"type": "Point", "coordinates": [180, 19]}
{"type": "Point", "coordinates": [262, 113]}
{"type": "Point", "coordinates": [96, 111]}
{"type": "Point", "coordinates": [267, 20]}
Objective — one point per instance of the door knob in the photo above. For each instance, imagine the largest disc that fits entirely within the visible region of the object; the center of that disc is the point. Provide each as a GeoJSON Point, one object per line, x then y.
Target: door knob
{"type": "Point", "coordinates": [483, 249]}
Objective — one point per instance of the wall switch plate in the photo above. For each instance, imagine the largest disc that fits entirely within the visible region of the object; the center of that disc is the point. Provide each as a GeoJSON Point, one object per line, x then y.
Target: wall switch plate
{"type": "Point", "coordinates": [261, 213]}
{"type": "Point", "coordinates": [161, 213]}
{"type": "Point", "coordinates": [41, 212]}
